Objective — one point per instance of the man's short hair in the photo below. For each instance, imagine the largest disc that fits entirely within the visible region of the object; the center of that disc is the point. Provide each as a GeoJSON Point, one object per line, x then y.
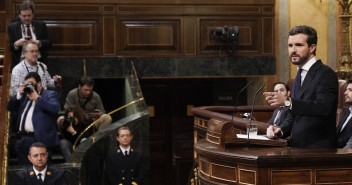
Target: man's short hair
{"type": "Point", "coordinates": [26, 5]}
{"type": "Point", "coordinates": [34, 75]}
{"type": "Point", "coordinates": [123, 128]}
{"type": "Point", "coordinates": [286, 86]}
{"type": "Point", "coordinates": [349, 80]}
{"type": "Point", "coordinates": [25, 46]}
{"type": "Point", "coordinates": [37, 145]}
{"type": "Point", "coordinates": [86, 80]}
{"type": "Point", "coordinates": [309, 31]}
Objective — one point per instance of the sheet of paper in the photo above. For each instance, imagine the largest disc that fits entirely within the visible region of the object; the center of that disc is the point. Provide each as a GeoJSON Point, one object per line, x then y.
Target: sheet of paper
{"type": "Point", "coordinates": [259, 137]}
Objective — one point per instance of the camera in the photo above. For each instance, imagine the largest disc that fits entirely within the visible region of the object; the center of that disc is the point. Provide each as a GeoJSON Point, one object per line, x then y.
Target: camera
{"type": "Point", "coordinates": [67, 121]}
{"type": "Point", "coordinates": [226, 33]}
{"type": "Point", "coordinates": [29, 87]}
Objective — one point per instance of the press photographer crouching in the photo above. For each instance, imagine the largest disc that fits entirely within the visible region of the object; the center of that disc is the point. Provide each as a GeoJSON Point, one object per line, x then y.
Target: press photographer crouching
{"type": "Point", "coordinates": [36, 110]}
{"type": "Point", "coordinates": [71, 126]}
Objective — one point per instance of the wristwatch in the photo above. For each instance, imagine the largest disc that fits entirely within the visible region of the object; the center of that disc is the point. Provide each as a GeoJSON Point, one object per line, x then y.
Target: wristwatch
{"type": "Point", "coordinates": [288, 102]}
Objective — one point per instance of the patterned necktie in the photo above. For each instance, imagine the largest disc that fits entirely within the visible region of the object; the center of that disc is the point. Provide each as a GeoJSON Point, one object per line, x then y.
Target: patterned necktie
{"type": "Point", "coordinates": [298, 82]}
{"type": "Point", "coordinates": [40, 180]}
{"type": "Point", "coordinates": [28, 30]}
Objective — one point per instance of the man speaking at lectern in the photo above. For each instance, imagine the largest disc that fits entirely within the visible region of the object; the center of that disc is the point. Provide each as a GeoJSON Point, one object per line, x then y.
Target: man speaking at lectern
{"type": "Point", "coordinates": [312, 117]}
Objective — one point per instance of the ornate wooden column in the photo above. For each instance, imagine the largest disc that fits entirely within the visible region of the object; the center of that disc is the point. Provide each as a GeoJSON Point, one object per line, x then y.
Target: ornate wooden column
{"type": "Point", "coordinates": [345, 70]}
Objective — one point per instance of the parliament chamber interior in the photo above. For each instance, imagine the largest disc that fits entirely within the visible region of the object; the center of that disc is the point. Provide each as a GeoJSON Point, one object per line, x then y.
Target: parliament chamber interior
{"type": "Point", "coordinates": [170, 71]}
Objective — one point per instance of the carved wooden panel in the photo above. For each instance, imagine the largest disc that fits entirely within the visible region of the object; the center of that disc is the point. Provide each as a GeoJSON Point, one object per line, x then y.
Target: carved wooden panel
{"type": "Point", "coordinates": [109, 36]}
{"type": "Point", "coordinates": [78, 38]}
{"type": "Point", "coordinates": [158, 37]}
{"type": "Point", "coordinates": [331, 176]}
{"type": "Point", "coordinates": [299, 176]}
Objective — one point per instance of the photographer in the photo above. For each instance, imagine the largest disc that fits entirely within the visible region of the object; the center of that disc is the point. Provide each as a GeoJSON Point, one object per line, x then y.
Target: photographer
{"type": "Point", "coordinates": [71, 126]}
{"type": "Point", "coordinates": [37, 109]}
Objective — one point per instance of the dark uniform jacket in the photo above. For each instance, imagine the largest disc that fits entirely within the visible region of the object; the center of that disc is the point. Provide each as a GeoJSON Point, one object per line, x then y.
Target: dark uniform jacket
{"type": "Point", "coordinates": [124, 170]}
{"type": "Point", "coordinates": [52, 177]}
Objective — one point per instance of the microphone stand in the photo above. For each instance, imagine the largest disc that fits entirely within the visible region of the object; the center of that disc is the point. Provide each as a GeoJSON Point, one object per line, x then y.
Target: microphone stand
{"type": "Point", "coordinates": [234, 105]}
{"type": "Point", "coordinates": [251, 116]}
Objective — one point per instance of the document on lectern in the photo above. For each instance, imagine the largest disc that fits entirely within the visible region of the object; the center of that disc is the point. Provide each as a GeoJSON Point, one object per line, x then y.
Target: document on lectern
{"type": "Point", "coordinates": [258, 137]}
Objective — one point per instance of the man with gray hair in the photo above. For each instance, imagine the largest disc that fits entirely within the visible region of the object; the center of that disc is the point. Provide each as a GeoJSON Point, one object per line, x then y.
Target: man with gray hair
{"type": "Point", "coordinates": [31, 64]}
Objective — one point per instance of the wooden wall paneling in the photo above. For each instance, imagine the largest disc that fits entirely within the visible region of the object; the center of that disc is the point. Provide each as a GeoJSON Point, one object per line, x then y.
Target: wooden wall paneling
{"type": "Point", "coordinates": [248, 42]}
{"type": "Point", "coordinates": [190, 38]}
{"type": "Point", "coordinates": [150, 10]}
{"type": "Point", "coordinates": [3, 21]}
{"type": "Point", "coordinates": [268, 36]}
{"type": "Point", "coordinates": [109, 35]}
{"type": "Point", "coordinates": [75, 37]}
{"type": "Point", "coordinates": [150, 36]}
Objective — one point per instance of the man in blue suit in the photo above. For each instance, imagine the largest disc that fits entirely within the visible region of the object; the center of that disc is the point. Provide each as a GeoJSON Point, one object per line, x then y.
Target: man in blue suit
{"type": "Point", "coordinates": [37, 109]}
{"type": "Point", "coordinates": [40, 173]}
{"type": "Point", "coordinates": [26, 29]}
{"type": "Point", "coordinates": [279, 114]}
{"type": "Point", "coordinates": [311, 122]}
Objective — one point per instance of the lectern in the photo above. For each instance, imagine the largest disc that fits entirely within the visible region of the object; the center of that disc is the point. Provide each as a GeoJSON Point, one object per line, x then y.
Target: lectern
{"type": "Point", "coordinates": [220, 162]}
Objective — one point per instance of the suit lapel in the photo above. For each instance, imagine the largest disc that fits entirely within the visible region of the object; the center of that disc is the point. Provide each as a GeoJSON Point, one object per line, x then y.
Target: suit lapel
{"type": "Point", "coordinates": [309, 77]}
{"type": "Point", "coordinates": [18, 30]}
{"type": "Point", "coordinates": [48, 176]}
{"type": "Point", "coordinates": [343, 119]}
{"type": "Point", "coordinates": [32, 176]}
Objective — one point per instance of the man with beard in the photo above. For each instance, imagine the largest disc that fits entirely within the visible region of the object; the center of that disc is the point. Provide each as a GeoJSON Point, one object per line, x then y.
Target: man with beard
{"type": "Point", "coordinates": [311, 122]}
{"type": "Point", "coordinates": [344, 128]}
{"type": "Point", "coordinates": [89, 101]}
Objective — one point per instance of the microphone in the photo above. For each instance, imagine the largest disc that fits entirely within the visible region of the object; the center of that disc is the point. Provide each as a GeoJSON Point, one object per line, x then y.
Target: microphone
{"type": "Point", "coordinates": [251, 116]}
{"type": "Point", "coordinates": [234, 105]}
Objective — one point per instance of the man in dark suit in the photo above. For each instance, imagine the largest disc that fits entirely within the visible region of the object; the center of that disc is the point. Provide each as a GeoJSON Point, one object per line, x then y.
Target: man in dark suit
{"type": "Point", "coordinates": [311, 122]}
{"type": "Point", "coordinates": [124, 165]}
{"type": "Point", "coordinates": [279, 114]}
{"type": "Point", "coordinates": [40, 173]}
{"type": "Point", "coordinates": [37, 109]}
{"type": "Point", "coordinates": [344, 128]}
{"type": "Point", "coordinates": [24, 29]}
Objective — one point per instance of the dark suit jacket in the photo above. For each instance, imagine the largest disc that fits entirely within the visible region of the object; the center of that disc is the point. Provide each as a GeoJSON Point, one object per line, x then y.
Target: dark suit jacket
{"type": "Point", "coordinates": [44, 116]}
{"type": "Point", "coordinates": [124, 169]}
{"type": "Point", "coordinates": [282, 117]}
{"type": "Point", "coordinates": [344, 136]}
{"type": "Point", "coordinates": [52, 177]}
{"type": "Point", "coordinates": [312, 119]}
{"type": "Point", "coordinates": [41, 33]}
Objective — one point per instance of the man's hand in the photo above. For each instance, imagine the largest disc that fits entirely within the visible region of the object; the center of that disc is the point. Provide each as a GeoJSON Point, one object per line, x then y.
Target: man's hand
{"type": "Point", "coordinates": [275, 99]}
{"type": "Point", "coordinates": [57, 78]}
{"type": "Point", "coordinates": [21, 89]}
{"type": "Point", "coordinates": [33, 95]}
{"type": "Point", "coordinates": [20, 42]}
{"type": "Point", "coordinates": [273, 132]}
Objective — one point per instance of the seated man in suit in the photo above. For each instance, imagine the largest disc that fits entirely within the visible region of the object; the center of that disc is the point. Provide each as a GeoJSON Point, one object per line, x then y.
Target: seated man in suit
{"type": "Point", "coordinates": [37, 109]}
{"type": "Point", "coordinates": [344, 128]}
{"type": "Point", "coordinates": [40, 172]}
{"type": "Point", "coordinates": [280, 113]}
{"type": "Point", "coordinates": [124, 165]}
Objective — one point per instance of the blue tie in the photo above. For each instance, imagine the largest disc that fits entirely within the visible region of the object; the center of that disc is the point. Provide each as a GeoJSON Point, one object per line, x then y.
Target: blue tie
{"type": "Point", "coordinates": [25, 116]}
{"type": "Point", "coordinates": [298, 82]}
